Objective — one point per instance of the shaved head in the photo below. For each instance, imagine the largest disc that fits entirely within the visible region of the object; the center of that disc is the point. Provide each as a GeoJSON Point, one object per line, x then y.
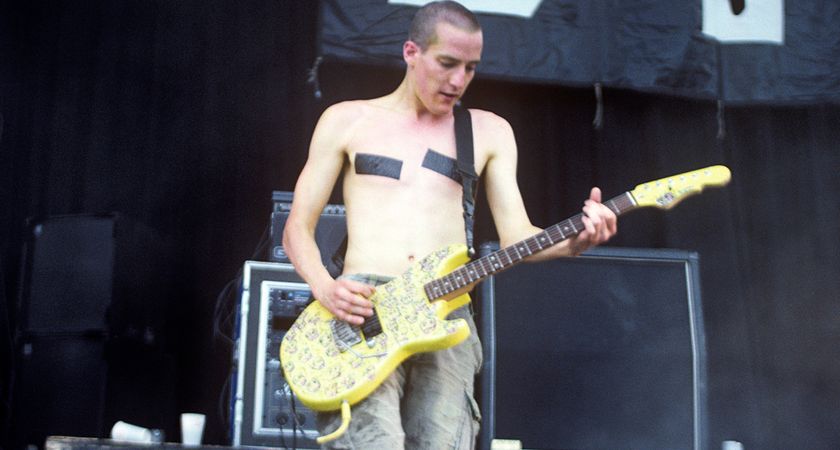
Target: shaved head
{"type": "Point", "coordinates": [425, 21]}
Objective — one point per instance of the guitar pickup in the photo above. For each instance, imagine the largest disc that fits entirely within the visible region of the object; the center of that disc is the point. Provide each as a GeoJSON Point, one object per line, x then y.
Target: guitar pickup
{"type": "Point", "coordinates": [344, 334]}
{"type": "Point", "coordinates": [371, 328]}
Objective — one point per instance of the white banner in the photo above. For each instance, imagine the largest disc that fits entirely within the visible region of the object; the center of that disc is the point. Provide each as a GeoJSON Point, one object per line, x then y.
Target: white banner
{"type": "Point", "coordinates": [760, 21]}
{"type": "Point", "coordinates": [521, 8]}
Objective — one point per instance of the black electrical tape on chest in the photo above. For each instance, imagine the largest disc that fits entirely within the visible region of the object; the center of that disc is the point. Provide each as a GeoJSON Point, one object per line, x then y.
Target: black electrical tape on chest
{"type": "Point", "coordinates": [368, 164]}
{"type": "Point", "coordinates": [441, 164]}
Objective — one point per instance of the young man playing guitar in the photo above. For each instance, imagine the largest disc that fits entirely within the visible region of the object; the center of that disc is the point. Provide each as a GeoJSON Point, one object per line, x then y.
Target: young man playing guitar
{"type": "Point", "coordinates": [399, 210]}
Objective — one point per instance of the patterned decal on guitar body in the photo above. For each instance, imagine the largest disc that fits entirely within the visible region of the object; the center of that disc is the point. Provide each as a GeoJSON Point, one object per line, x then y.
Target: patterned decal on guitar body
{"type": "Point", "coordinates": [322, 370]}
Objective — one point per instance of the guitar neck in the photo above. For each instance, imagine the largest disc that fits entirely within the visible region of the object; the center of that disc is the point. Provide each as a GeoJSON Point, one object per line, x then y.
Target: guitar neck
{"type": "Point", "coordinates": [505, 258]}
{"type": "Point", "coordinates": [664, 193]}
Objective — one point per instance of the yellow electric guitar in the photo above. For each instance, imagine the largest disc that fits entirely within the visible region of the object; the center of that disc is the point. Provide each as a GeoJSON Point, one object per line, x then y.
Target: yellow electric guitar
{"type": "Point", "coordinates": [331, 365]}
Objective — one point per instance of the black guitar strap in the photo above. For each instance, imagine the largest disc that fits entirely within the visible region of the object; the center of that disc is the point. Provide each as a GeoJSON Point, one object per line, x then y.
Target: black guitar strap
{"type": "Point", "coordinates": [466, 170]}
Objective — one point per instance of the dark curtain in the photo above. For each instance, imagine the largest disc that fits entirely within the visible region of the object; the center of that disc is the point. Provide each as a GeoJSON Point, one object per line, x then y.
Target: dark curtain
{"type": "Point", "coordinates": [185, 116]}
{"type": "Point", "coordinates": [181, 116]}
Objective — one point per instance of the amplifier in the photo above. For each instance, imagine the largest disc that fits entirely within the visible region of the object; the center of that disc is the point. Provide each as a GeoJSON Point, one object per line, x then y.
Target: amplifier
{"type": "Point", "coordinates": [329, 234]}
{"type": "Point", "coordinates": [264, 410]}
{"type": "Point", "coordinates": [612, 345]}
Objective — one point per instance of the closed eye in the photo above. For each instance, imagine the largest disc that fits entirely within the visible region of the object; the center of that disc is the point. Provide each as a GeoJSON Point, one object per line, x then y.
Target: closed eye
{"type": "Point", "coordinates": [447, 63]}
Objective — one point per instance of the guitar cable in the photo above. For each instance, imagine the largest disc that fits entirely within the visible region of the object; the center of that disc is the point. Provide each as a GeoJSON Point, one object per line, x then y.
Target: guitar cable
{"type": "Point", "coordinates": [224, 321]}
{"type": "Point", "coordinates": [295, 423]}
{"type": "Point", "coordinates": [297, 427]}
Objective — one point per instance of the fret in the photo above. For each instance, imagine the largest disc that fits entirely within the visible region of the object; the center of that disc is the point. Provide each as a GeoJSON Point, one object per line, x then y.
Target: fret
{"type": "Point", "coordinates": [495, 260]}
{"type": "Point", "coordinates": [495, 264]}
{"type": "Point", "coordinates": [564, 231]}
{"type": "Point", "coordinates": [441, 287]}
{"type": "Point", "coordinates": [433, 289]}
{"type": "Point", "coordinates": [449, 283]}
{"type": "Point", "coordinates": [459, 279]}
{"type": "Point", "coordinates": [557, 234]}
{"type": "Point", "coordinates": [479, 268]}
{"type": "Point", "coordinates": [539, 239]}
{"type": "Point", "coordinates": [483, 266]}
{"type": "Point", "coordinates": [509, 258]}
{"type": "Point", "coordinates": [464, 274]}
{"type": "Point", "coordinates": [523, 246]}
{"type": "Point", "coordinates": [471, 271]}
{"type": "Point", "coordinates": [484, 263]}
{"type": "Point", "coordinates": [618, 204]}
{"type": "Point", "coordinates": [631, 202]}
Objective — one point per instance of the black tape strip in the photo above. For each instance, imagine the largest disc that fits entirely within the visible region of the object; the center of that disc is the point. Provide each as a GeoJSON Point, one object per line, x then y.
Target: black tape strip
{"type": "Point", "coordinates": [442, 164]}
{"type": "Point", "coordinates": [369, 164]}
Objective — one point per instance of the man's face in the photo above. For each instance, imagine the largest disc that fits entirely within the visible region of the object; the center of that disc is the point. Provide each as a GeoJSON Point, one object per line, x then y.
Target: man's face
{"type": "Point", "coordinates": [444, 70]}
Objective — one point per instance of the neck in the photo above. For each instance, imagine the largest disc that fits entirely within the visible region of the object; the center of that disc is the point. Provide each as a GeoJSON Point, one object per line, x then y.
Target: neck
{"type": "Point", "coordinates": [404, 98]}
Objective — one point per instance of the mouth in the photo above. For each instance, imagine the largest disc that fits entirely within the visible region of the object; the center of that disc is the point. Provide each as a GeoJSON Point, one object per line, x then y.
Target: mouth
{"type": "Point", "coordinates": [449, 95]}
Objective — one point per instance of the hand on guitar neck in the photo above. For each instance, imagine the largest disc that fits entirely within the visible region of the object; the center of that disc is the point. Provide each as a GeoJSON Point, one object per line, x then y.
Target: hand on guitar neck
{"type": "Point", "coordinates": [600, 224]}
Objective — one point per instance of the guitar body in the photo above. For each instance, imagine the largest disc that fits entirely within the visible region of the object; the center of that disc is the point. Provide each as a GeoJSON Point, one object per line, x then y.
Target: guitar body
{"type": "Point", "coordinates": [324, 370]}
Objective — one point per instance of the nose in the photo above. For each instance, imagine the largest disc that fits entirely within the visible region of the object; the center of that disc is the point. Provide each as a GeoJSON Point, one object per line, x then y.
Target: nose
{"type": "Point", "coordinates": [458, 78]}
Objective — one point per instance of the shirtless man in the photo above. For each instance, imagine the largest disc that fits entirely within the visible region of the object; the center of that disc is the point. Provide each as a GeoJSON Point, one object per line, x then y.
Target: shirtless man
{"type": "Point", "coordinates": [402, 211]}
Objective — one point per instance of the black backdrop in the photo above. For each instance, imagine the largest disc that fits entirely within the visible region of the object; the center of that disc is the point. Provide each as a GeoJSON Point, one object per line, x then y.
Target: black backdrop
{"type": "Point", "coordinates": [184, 116]}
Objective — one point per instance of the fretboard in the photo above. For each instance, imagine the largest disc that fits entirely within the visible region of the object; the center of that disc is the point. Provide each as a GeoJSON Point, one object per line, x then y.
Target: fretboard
{"type": "Point", "coordinates": [505, 258]}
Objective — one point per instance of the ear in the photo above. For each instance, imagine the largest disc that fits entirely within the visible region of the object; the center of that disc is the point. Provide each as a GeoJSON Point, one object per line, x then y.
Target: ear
{"type": "Point", "coordinates": [410, 52]}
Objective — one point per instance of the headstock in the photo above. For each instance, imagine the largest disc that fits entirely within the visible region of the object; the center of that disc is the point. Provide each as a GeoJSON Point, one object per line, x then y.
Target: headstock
{"type": "Point", "coordinates": [665, 193]}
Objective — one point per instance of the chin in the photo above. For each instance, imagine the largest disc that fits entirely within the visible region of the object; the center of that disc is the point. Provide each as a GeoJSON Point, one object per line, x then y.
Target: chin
{"type": "Point", "coordinates": [442, 109]}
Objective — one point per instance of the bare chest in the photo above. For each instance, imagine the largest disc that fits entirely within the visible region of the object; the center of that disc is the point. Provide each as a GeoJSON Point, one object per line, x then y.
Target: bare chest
{"type": "Point", "coordinates": [403, 153]}
{"type": "Point", "coordinates": [406, 153]}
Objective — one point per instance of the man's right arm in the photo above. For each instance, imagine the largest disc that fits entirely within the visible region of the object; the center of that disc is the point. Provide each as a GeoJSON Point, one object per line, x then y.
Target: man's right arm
{"type": "Point", "coordinates": [345, 299]}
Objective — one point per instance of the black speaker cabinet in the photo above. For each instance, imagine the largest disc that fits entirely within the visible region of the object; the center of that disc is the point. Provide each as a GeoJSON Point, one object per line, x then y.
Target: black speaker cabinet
{"type": "Point", "coordinates": [265, 412]}
{"type": "Point", "coordinates": [68, 274]}
{"type": "Point", "coordinates": [59, 389]}
{"type": "Point", "coordinates": [91, 272]}
{"type": "Point", "coordinates": [606, 350]}
{"type": "Point", "coordinates": [329, 234]}
{"type": "Point", "coordinates": [89, 340]}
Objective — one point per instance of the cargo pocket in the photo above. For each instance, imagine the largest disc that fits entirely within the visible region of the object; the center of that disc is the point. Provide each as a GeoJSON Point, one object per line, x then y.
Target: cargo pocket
{"type": "Point", "coordinates": [475, 416]}
{"type": "Point", "coordinates": [466, 433]}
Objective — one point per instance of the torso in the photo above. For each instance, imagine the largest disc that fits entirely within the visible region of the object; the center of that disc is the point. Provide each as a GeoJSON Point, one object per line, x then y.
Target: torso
{"type": "Point", "coordinates": [394, 222]}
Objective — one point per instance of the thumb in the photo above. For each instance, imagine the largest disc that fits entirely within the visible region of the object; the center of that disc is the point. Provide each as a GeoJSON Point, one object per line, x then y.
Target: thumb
{"type": "Point", "coordinates": [595, 195]}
